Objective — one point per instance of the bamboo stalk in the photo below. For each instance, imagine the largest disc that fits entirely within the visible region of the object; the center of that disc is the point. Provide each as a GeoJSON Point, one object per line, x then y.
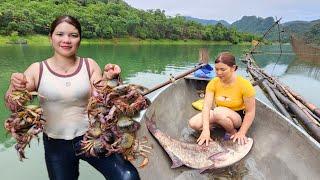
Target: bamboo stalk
{"type": "Point", "coordinates": [172, 79]}
{"type": "Point", "coordinates": [303, 114]}
{"type": "Point", "coordinates": [277, 92]}
{"type": "Point", "coordinates": [311, 106]}
{"type": "Point", "coordinates": [300, 105]}
{"type": "Point", "coordinates": [311, 127]}
{"type": "Point", "coordinates": [272, 96]}
{"type": "Point", "coordinates": [290, 96]}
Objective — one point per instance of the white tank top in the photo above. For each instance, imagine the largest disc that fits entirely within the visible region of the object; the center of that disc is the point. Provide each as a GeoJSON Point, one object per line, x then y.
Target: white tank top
{"type": "Point", "coordinates": [65, 102]}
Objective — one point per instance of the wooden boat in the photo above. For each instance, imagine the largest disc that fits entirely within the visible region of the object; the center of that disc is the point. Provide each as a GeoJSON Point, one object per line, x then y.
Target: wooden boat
{"type": "Point", "coordinates": [281, 149]}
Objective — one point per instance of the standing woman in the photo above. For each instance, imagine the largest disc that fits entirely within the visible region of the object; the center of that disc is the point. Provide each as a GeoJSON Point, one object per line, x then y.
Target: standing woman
{"type": "Point", "coordinates": [229, 102]}
{"type": "Point", "coordinates": [65, 80]}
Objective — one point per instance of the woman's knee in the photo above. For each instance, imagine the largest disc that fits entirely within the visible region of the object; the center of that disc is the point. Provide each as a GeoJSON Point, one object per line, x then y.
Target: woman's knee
{"type": "Point", "coordinates": [195, 122]}
{"type": "Point", "coordinates": [219, 114]}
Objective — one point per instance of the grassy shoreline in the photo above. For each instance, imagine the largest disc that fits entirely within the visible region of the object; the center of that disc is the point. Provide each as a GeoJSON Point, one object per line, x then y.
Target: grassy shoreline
{"type": "Point", "coordinates": [43, 40]}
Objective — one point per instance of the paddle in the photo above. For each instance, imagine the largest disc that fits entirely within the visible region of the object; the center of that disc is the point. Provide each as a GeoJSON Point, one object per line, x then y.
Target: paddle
{"type": "Point", "coordinates": [203, 61]}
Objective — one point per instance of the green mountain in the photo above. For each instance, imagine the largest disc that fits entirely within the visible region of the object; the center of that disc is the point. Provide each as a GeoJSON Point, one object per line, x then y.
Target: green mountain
{"type": "Point", "coordinates": [248, 24]}
{"type": "Point", "coordinates": [297, 27]}
{"type": "Point", "coordinates": [312, 36]}
{"type": "Point", "coordinates": [259, 26]}
{"type": "Point", "coordinates": [253, 24]}
{"type": "Point", "coordinates": [207, 22]}
{"type": "Point", "coordinates": [307, 30]}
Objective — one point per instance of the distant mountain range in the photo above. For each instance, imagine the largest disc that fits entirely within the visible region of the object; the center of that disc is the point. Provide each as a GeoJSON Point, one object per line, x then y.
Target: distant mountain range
{"type": "Point", "coordinates": [207, 22]}
{"type": "Point", "coordinates": [259, 25]}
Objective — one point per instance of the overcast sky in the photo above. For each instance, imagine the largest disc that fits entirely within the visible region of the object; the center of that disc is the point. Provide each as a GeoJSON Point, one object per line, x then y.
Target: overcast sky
{"type": "Point", "coordinates": [232, 10]}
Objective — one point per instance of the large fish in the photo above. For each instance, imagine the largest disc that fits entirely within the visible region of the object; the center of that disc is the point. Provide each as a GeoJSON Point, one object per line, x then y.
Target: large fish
{"type": "Point", "coordinates": [215, 155]}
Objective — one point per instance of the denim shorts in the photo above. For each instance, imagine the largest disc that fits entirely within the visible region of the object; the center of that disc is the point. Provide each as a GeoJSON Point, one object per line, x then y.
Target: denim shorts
{"type": "Point", "coordinates": [62, 160]}
{"type": "Point", "coordinates": [241, 113]}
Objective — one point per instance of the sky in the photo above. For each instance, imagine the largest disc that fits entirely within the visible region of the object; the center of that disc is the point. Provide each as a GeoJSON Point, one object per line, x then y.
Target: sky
{"type": "Point", "coordinates": [233, 10]}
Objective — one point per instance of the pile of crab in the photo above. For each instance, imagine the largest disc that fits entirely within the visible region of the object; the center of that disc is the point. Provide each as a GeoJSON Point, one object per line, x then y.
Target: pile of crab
{"type": "Point", "coordinates": [25, 121]}
{"type": "Point", "coordinates": [112, 129]}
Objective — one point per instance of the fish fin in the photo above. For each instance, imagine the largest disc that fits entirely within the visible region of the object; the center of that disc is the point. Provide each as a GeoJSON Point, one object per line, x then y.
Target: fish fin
{"type": "Point", "coordinates": [151, 124]}
{"type": "Point", "coordinates": [220, 156]}
{"type": "Point", "coordinates": [203, 170]}
{"type": "Point", "coordinates": [176, 162]}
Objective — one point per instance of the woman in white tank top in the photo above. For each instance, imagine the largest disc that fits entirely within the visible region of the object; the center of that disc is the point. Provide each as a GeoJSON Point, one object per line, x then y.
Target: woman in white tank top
{"type": "Point", "coordinates": [65, 80]}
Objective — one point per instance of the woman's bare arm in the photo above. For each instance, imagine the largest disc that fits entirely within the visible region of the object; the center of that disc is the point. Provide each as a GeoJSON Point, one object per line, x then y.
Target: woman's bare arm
{"type": "Point", "coordinates": [22, 81]}
{"type": "Point", "coordinates": [250, 109]}
{"type": "Point", "coordinates": [205, 134]}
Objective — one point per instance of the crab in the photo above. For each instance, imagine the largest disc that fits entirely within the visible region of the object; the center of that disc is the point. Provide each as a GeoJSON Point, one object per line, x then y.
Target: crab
{"type": "Point", "coordinates": [139, 148]}
{"type": "Point", "coordinates": [97, 142]}
{"type": "Point", "coordinates": [94, 147]}
{"type": "Point", "coordinates": [112, 130]}
{"type": "Point", "coordinates": [21, 98]}
{"type": "Point", "coordinates": [25, 122]}
{"type": "Point", "coordinates": [93, 143]}
{"type": "Point", "coordinates": [127, 124]}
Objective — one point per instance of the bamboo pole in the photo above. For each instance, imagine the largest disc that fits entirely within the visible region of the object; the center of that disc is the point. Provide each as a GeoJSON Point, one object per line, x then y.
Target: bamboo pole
{"type": "Point", "coordinates": [307, 119]}
{"type": "Point", "coordinates": [172, 79]}
{"type": "Point", "coordinates": [311, 106]}
{"type": "Point", "coordinates": [272, 96]}
{"type": "Point", "coordinates": [311, 127]}
{"type": "Point", "coordinates": [300, 105]}
{"type": "Point", "coordinates": [290, 96]}
{"type": "Point", "coordinates": [265, 34]}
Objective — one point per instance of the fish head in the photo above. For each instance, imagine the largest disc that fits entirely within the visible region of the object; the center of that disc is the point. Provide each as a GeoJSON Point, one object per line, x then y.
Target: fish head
{"type": "Point", "coordinates": [231, 155]}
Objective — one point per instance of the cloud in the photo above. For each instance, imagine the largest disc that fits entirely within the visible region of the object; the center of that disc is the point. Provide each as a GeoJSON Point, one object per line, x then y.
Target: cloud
{"type": "Point", "coordinates": [232, 10]}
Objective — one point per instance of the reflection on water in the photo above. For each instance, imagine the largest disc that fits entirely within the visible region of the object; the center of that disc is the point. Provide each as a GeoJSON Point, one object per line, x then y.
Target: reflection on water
{"type": "Point", "coordinates": [288, 64]}
{"type": "Point", "coordinates": [147, 65]}
{"type": "Point", "coordinates": [305, 67]}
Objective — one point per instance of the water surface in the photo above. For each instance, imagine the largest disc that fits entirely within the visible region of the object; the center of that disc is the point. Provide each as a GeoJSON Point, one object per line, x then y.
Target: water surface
{"type": "Point", "coordinates": [147, 65]}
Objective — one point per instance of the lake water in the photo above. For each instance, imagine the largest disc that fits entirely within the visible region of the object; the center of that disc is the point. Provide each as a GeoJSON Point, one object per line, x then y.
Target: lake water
{"type": "Point", "coordinates": [146, 65]}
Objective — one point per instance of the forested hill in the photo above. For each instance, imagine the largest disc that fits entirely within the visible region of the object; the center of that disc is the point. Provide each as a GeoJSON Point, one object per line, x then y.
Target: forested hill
{"type": "Point", "coordinates": [310, 31]}
{"type": "Point", "coordinates": [253, 24]}
{"type": "Point", "coordinates": [108, 19]}
{"type": "Point", "coordinates": [207, 22]}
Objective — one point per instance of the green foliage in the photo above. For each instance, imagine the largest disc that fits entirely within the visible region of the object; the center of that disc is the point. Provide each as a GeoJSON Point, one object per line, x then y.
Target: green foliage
{"type": "Point", "coordinates": [14, 36]}
{"type": "Point", "coordinates": [15, 39]}
{"type": "Point", "coordinates": [109, 19]}
{"type": "Point", "coordinates": [313, 35]}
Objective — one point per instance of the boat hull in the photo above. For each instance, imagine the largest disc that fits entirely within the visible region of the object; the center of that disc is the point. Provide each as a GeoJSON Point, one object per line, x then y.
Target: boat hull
{"type": "Point", "coordinates": [281, 150]}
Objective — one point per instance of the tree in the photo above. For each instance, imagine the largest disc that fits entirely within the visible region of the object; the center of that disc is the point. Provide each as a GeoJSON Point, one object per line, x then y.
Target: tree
{"type": "Point", "coordinates": [108, 19]}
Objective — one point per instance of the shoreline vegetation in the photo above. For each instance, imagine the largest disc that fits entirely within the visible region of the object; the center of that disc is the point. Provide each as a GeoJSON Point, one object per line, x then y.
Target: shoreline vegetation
{"type": "Point", "coordinates": [114, 21]}
{"type": "Point", "coordinates": [43, 40]}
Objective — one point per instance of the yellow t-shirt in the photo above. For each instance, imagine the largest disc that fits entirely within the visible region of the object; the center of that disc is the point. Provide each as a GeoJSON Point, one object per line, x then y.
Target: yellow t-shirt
{"type": "Point", "coordinates": [232, 95]}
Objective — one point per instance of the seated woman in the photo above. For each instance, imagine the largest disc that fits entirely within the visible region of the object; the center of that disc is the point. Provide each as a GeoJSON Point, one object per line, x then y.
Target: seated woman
{"type": "Point", "coordinates": [229, 102]}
